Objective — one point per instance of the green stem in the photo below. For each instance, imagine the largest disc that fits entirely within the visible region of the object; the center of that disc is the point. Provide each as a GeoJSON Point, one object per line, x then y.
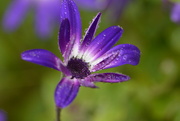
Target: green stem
{"type": "Point", "coordinates": [58, 114]}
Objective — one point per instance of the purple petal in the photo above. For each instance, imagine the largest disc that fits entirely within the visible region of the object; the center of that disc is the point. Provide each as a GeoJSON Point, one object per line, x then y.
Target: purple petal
{"type": "Point", "coordinates": [44, 19]}
{"type": "Point", "coordinates": [15, 14]}
{"type": "Point", "coordinates": [90, 32]}
{"type": "Point", "coordinates": [108, 77]}
{"type": "Point", "coordinates": [66, 92]}
{"type": "Point", "coordinates": [64, 35]}
{"type": "Point", "coordinates": [102, 43]}
{"type": "Point", "coordinates": [118, 55]}
{"type": "Point", "coordinates": [2, 116]}
{"type": "Point", "coordinates": [104, 62]}
{"type": "Point", "coordinates": [42, 57]}
{"type": "Point", "coordinates": [70, 11]}
{"type": "Point", "coordinates": [175, 13]}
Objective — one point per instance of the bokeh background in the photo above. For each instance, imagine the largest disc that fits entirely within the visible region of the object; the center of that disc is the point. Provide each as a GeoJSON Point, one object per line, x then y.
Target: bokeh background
{"type": "Point", "coordinates": [152, 94]}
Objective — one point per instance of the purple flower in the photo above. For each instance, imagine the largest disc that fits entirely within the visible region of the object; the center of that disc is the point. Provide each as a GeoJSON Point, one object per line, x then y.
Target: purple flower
{"type": "Point", "coordinates": [175, 13]}
{"type": "Point", "coordinates": [82, 58]}
{"type": "Point", "coordinates": [46, 14]}
{"type": "Point", "coordinates": [175, 10]}
{"type": "Point", "coordinates": [114, 7]}
{"type": "Point", "coordinates": [2, 116]}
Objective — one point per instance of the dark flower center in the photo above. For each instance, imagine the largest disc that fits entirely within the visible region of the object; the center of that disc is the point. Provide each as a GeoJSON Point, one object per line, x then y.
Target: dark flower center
{"type": "Point", "coordinates": [78, 68]}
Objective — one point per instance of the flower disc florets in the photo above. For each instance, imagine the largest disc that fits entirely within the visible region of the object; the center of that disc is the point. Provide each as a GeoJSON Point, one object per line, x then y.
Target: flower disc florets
{"type": "Point", "coordinates": [78, 67]}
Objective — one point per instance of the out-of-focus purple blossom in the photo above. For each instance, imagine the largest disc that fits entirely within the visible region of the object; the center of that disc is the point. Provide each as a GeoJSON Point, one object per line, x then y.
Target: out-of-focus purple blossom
{"type": "Point", "coordinates": [82, 58]}
{"type": "Point", "coordinates": [46, 15]}
{"type": "Point", "coordinates": [175, 13]}
{"type": "Point", "coordinates": [3, 116]}
{"type": "Point", "coordinates": [175, 10]}
{"type": "Point", "coordinates": [113, 7]}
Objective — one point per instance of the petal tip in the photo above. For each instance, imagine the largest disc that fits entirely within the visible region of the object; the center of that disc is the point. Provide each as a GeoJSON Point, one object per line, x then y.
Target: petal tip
{"type": "Point", "coordinates": [126, 78]}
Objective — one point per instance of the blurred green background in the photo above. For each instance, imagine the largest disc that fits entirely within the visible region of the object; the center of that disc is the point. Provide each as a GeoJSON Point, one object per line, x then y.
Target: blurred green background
{"type": "Point", "coordinates": [152, 94]}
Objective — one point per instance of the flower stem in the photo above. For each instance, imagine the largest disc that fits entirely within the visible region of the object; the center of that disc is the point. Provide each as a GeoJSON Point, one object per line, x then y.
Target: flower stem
{"type": "Point", "coordinates": [58, 114]}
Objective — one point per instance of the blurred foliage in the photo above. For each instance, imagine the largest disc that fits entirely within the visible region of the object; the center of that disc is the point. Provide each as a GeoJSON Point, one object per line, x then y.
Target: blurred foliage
{"type": "Point", "coordinates": [174, 0]}
{"type": "Point", "coordinates": [152, 94]}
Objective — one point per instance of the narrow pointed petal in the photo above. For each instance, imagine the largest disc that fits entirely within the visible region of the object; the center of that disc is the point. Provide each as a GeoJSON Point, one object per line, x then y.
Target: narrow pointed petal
{"type": "Point", "coordinates": [109, 77]}
{"type": "Point", "coordinates": [90, 32]}
{"type": "Point", "coordinates": [87, 82]}
{"type": "Point", "coordinates": [64, 35]}
{"type": "Point", "coordinates": [102, 43]}
{"type": "Point", "coordinates": [66, 91]}
{"type": "Point", "coordinates": [70, 11]}
{"type": "Point", "coordinates": [118, 55]}
{"type": "Point", "coordinates": [42, 57]}
{"type": "Point", "coordinates": [102, 62]}
{"type": "Point", "coordinates": [15, 14]}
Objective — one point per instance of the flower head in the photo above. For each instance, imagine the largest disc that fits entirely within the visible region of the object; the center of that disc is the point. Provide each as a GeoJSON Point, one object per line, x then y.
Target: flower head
{"type": "Point", "coordinates": [82, 58]}
{"type": "Point", "coordinates": [46, 13]}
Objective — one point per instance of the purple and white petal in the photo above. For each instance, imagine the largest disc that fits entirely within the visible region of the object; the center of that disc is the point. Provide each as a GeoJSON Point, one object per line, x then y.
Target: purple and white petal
{"type": "Point", "coordinates": [42, 57]}
{"type": "Point", "coordinates": [94, 5]}
{"type": "Point", "coordinates": [102, 43]}
{"type": "Point", "coordinates": [90, 33]}
{"type": "Point", "coordinates": [69, 10]}
{"type": "Point", "coordinates": [175, 13]}
{"type": "Point", "coordinates": [118, 55]}
{"type": "Point", "coordinates": [109, 77]}
{"type": "Point", "coordinates": [64, 36]}
{"type": "Point", "coordinates": [66, 91]}
{"type": "Point", "coordinates": [15, 14]}
{"type": "Point", "coordinates": [102, 62]}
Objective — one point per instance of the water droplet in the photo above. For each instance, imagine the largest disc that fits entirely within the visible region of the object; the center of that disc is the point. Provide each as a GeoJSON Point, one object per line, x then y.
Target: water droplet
{"type": "Point", "coordinates": [125, 57]}
{"type": "Point", "coordinates": [109, 77]}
